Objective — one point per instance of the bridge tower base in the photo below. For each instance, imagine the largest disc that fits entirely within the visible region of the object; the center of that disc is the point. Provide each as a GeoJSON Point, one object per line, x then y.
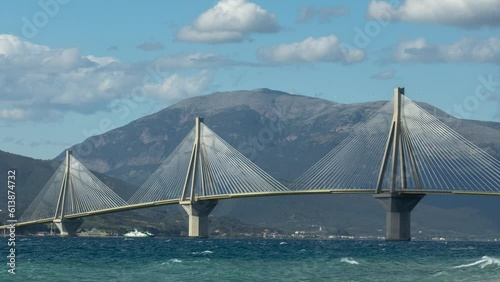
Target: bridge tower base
{"type": "Point", "coordinates": [398, 214]}
{"type": "Point", "coordinates": [68, 227]}
{"type": "Point", "coordinates": [198, 212]}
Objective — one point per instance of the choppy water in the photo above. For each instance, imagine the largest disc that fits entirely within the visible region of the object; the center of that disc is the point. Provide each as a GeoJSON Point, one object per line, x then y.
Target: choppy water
{"type": "Point", "coordinates": [159, 259]}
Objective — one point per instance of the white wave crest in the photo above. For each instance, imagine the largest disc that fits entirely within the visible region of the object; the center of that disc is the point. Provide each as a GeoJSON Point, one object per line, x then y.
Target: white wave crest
{"type": "Point", "coordinates": [202, 253]}
{"type": "Point", "coordinates": [174, 260]}
{"type": "Point", "coordinates": [483, 262]}
{"type": "Point", "coordinates": [349, 261]}
{"type": "Point", "coordinates": [440, 273]}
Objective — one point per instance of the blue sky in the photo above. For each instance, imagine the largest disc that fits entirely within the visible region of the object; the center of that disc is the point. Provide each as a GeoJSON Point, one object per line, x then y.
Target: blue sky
{"type": "Point", "coordinates": [72, 69]}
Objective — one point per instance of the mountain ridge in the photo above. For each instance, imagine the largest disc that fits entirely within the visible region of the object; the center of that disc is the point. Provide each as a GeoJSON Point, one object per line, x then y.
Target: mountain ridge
{"type": "Point", "coordinates": [285, 134]}
{"type": "Point", "coordinates": [271, 110]}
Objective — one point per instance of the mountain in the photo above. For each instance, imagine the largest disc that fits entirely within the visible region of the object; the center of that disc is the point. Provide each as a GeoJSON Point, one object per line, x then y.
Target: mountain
{"type": "Point", "coordinates": [282, 133]}
{"type": "Point", "coordinates": [30, 173]}
{"type": "Point", "coordinates": [285, 134]}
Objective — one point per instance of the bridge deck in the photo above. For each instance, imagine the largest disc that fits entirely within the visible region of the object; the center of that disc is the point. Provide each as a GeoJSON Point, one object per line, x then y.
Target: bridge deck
{"type": "Point", "coordinates": [249, 195]}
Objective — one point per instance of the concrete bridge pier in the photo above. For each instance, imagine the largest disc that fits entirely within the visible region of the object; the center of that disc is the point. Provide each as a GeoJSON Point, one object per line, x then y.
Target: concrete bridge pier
{"type": "Point", "coordinates": [198, 212]}
{"type": "Point", "coordinates": [398, 214]}
{"type": "Point", "coordinates": [68, 227]}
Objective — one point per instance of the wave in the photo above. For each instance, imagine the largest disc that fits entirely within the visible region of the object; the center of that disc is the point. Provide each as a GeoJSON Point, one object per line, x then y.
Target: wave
{"type": "Point", "coordinates": [202, 253]}
{"type": "Point", "coordinates": [349, 261]}
{"type": "Point", "coordinates": [483, 262]}
{"type": "Point", "coordinates": [174, 260]}
{"type": "Point", "coordinates": [440, 273]}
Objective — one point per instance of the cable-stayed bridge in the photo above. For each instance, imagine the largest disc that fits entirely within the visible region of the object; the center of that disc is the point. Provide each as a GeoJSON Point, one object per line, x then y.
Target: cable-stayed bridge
{"type": "Point", "coordinates": [400, 154]}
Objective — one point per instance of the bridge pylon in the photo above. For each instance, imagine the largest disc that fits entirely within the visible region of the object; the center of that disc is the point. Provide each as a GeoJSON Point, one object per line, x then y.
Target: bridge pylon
{"type": "Point", "coordinates": [198, 211]}
{"type": "Point", "coordinates": [398, 206]}
{"type": "Point", "coordinates": [66, 226]}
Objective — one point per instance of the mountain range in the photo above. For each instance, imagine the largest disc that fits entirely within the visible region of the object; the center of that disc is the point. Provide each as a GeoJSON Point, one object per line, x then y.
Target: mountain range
{"type": "Point", "coordinates": [285, 135]}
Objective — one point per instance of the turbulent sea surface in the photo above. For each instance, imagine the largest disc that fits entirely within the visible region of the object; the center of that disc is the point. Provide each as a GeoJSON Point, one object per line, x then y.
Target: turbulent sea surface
{"type": "Point", "coordinates": [162, 259]}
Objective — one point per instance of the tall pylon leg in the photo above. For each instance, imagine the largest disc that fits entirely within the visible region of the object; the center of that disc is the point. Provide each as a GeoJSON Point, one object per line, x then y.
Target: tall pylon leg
{"type": "Point", "coordinates": [67, 227]}
{"type": "Point", "coordinates": [397, 206]}
{"type": "Point", "coordinates": [198, 211]}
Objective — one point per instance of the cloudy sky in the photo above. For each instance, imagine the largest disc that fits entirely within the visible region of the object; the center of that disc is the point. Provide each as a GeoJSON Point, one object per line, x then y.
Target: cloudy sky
{"type": "Point", "coordinates": [73, 69]}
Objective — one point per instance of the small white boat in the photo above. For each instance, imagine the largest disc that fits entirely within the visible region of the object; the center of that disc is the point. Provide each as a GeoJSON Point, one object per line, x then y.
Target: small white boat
{"type": "Point", "coordinates": [135, 234]}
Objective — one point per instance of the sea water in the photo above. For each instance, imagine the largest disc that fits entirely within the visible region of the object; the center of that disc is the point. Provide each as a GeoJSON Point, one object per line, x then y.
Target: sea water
{"type": "Point", "coordinates": [181, 259]}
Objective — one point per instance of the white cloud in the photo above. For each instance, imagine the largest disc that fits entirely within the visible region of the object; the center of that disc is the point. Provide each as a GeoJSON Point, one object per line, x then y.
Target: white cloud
{"type": "Point", "coordinates": [11, 45]}
{"type": "Point", "coordinates": [13, 114]}
{"type": "Point", "coordinates": [384, 75]}
{"type": "Point", "coordinates": [101, 61]}
{"type": "Point", "coordinates": [38, 82]}
{"type": "Point", "coordinates": [15, 53]}
{"type": "Point", "coordinates": [467, 49]}
{"type": "Point", "coordinates": [461, 13]}
{"type": "Point", "coordinates": [321, 49]}
{"type": "Point", "coordinates": [229, 21]}
{"type": "Point", "coordinates": [177, 87]}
